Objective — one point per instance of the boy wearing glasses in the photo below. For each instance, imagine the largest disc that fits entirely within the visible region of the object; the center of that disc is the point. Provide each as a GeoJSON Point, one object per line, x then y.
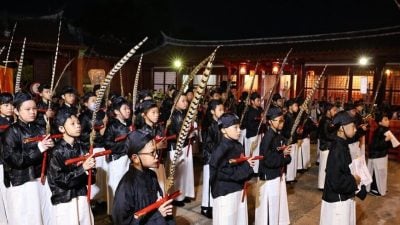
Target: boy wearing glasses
{"type": "Point", "coordinates": [139, 187]}
{"type": "Point", "coordinates": [273, 206]}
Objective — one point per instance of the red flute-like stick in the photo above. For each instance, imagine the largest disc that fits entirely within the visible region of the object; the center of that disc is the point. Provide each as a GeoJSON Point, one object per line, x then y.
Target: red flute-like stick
{"type": "Point", "coordinates": [156, 205]}
{"type": "Point", "coordinates": [157, 138]}
{"type": "Point", "coordinates": [4, 126]}
{"type": "Point", "coordinates": [245, 158]}
{"type": "Point", "coordinates": [83, 158]}
{"type": "Point", "coordinates": [41, 137]}
{"type": "Point", "coordinates": [89, 186]}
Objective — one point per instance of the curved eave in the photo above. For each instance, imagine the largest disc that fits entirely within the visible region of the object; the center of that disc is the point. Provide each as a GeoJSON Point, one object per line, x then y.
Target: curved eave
{"type": "Point", "coordinates": [329, 37]}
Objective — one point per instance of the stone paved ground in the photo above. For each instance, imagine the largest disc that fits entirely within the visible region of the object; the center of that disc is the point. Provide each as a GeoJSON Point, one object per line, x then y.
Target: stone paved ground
{"type": "Point", "coordinates": [304, 202]}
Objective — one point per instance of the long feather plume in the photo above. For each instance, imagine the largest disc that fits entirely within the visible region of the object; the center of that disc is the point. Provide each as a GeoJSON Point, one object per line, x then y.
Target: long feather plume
{"type": "Point", "coordinates": [304, 106]}
{"type": "Point", "coordinates": [248, 96]}
{"type": "Point", "coordinates": [135, 87]}
{"type": "Point", "coordinates": [186, 124]}
{"type": "Point", "coordinates": [121, 83]}
{"type": "Point", "coordinates": [2, 49]}
{"type": "Point", "coordinates": [267, 105]}
{"type": "Point", "coordinates": [19, 70]}
{"type": "Point", "coordinates": [53, 91]}
{"type": "Point", "coordinates": [53, 72]}
{"type": "Point", "coordinates": [102, 90]}
{"type": "Point", "coordinates": [185, 84]}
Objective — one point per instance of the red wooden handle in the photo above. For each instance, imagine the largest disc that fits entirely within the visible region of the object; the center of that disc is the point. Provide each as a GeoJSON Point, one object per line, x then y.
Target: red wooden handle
{"type": "Point", "coordinates": [155, 205]}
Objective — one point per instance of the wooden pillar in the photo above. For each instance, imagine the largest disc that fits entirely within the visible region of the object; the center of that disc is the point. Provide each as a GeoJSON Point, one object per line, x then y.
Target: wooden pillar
{"type": "Point", "coordinates": [350, 85]}
{"type": "Point", "coordinates": [379, 75]}
{"type": "Point", "coordinates": [79, 72]}
{"type": "Point", "coordinates": [326, 86]}
{"type": "Point", "coordinates": [302, 79]}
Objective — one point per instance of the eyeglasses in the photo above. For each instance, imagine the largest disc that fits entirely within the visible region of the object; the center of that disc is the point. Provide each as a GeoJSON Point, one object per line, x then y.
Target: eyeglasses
{"type": "Point", "coordinates": [153, 153]}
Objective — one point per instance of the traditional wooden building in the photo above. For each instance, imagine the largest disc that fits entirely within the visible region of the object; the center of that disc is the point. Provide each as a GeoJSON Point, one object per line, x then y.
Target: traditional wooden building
{"type": "Point", "coordinates": [346, 78]}
{"type": "Point", "coordinates": [41, 39]}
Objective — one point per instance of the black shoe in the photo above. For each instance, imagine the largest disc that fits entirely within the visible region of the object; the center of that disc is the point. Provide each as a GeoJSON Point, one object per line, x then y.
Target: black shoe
{"type": "Point", "coordinates": [301, 171]}
{"type": "Point", "coordinates": [178, 203]}
{"type": "Point", "coordinates": [187, 200]}
{"type": "Point", "coordinates": [374, 193]}
{"type": "Point", "coordinates": [207, 212]}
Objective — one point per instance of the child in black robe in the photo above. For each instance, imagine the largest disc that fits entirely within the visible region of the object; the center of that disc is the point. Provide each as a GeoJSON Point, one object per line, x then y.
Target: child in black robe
{"type": "Point", "coordinates": [139, 188]}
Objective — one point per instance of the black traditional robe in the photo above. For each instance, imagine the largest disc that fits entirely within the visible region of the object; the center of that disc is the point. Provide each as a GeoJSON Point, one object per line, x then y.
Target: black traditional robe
{"type": "Point", "coordinates": [136, 190]}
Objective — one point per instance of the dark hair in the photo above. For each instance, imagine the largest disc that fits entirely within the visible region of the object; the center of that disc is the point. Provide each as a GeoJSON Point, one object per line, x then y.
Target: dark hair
{"type": "Point", "coordinates": [68, 89]}
{"type": "Point", "coordinates": [143, 107]}
{"type": "Point", "coordinates": [244, 95]}
{"type": "Point", "coordinates": [87, 95]}
{"type": "Point", "coordinates": [5, 98]}
{"type": "Point", "coordinates": [20, 98]}
{"type": "Point", "coordinates": [42, 87]}
{"type": "Point", "coordinates": [62, 117]}
{"type": "Point", "coordinates": [96, 87]}
{"type": "Point", "coordinates": [379, 115]}
{"type": "Point", "coordinates": [213, 104]}
{"type": "Point", "coordinates": [254, 96]}
{"type": "Point", "coordinates": [118, 102]}
{"type": "Point", "coordinates": [227, 120]}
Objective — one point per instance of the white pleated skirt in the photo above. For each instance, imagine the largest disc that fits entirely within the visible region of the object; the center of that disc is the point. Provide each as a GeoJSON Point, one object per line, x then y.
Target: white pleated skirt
{"type": "Point", "coordinates": [271, 203]}
{"type": "Point", "coordinates": [116, 170]}
{"type": "Point", "coordinates": [184, 174]}
{"type": "Point", "coordinates": [303, 156]}
{"type": "Point", "coordinates": [291, 169]}
{"type": "Point", "coordinates": [75, 212]}
{"type": "Point", "coordinates": [3, 198]}
{"type": "Point", "coordinates": [206, 198]}
{"type": "Point", "coordinates": [256, 152]}
{"type": "Point", "coordinates": [230, 210]}
{"type": "Point", "coordinates": [379, 167]}
{"type": "Point", "coordinates": [343, 213]}
{"type": "Point", "coordinates": [323, 159]}
{"type": "Point", "coordinates": [30, 204]}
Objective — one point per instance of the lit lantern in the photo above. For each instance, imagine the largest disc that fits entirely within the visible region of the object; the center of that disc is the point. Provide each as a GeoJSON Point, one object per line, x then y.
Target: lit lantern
{"type": "Point", "coordinates": [242, 69]}
{"type": "Point", "coordinates": [388, 72]}
{"type": "Point", "coordinates": [275, 67]}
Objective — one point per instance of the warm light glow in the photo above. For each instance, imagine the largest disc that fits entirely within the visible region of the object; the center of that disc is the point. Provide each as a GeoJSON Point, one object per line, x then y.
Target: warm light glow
{"type": "Point", "coordinates": [177, 63]}
{"type": "Point", "coordinates": [275, 67]}
{"type": "Point", "coordinates": [242, 69]}
{"type": "Point", "coordinates": [388, 72]}
{"type": "Point", "coordinates": [363, 61]}
{"type": "Point", "coordinates": [247, 82]}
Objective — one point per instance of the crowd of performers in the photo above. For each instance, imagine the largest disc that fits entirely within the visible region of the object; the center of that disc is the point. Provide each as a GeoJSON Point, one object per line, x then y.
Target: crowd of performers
{"type": "Point", "coordinates": [134, 175]}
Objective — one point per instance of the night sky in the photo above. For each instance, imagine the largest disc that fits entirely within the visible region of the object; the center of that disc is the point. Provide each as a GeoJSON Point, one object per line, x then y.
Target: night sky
{"type": "Point", "coordinates": [207, 19]}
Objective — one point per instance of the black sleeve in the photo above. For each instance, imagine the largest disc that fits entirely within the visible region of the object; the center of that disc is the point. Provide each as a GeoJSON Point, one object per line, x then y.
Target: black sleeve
{"type": "Point", "coordinates": [86, 128]}
{"type": "Point", "coordinates": [64, 177]}
{"type": "Point", "coordinates": [378, 141]}
{"type": "Point", "coordinates": [109, 140]}
{"type": "Point", "coordinates": [340, 178]}
{"type": "Point", "coordinates": [272, 158]}
{"type": "Point", "coordinates": [229, 172]}
{"type": "Point", "coordinates": [18, 156]}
